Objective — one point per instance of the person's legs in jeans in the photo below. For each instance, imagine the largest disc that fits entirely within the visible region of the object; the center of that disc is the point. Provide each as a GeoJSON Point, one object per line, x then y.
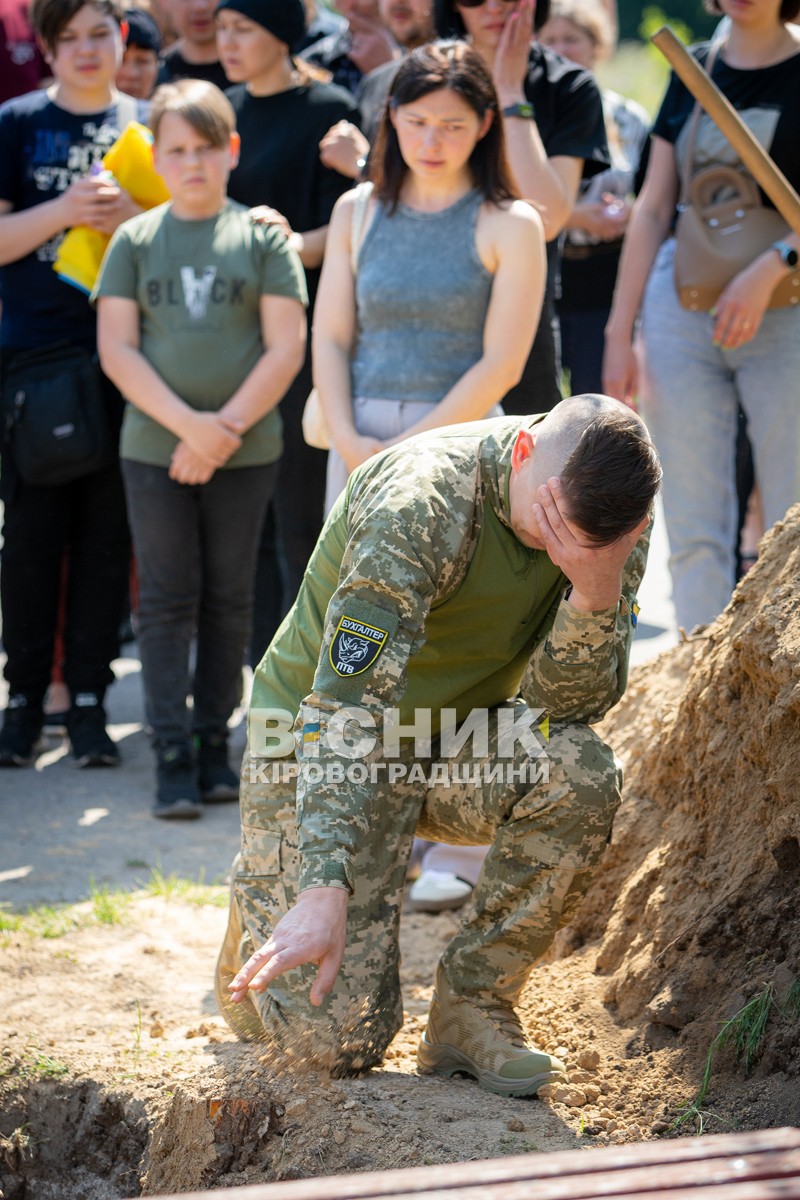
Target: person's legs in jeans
{"type": "Point", "coordinates": [539, 390]}
{"type": "Point", "coordinates": [34, 536]}
{"type": "Point", "coordinates": [165, 521]}
{"type": "Point", "coordinates": [767, 374]}
{"type": "Point", "coordinates": [300, 495]}
{"type": "Point", "coordinates": [582, 345]}
{"type": "Point", "coordinates": [35, 530]}
{"type": "Point", "coordinates": [293, 523]}
{"type": "Point", "coordinates": [689, 402]}
{"type": "Point", "coordinates": [268, 589]}
{"type": "Point", "coordinates": [97, 581]}
{"type": "Point", "coordinates": [231, 513]}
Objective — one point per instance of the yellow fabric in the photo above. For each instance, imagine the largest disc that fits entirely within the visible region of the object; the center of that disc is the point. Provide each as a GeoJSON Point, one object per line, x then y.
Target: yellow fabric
{"type": "Point", "coordinates": [130, 161]}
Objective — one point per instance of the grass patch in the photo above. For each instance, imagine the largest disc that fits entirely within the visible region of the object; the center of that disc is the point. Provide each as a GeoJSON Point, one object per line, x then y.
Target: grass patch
{"type": "Point", "coordinates": [108, 907]}
{"type": "Point", "coordinates": [35, 1065]}
{"type": "Point", "coordinates": [793, 999]}
{"type": "Point", "coordinates": [745, 1031]}
{"type": "Point", "coordinates": [9, 922]}
{"type": "Point", "coordinates": [50, 921]}
{"type": "Point", "coordinates": [45, 1067]}
{"type": "Point", "coordinates": [190, 891]}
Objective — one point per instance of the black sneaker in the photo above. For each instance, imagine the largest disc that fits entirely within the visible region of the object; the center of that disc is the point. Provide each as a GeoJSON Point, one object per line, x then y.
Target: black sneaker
{"type": "Point", "coordinates": [177, 793]}
{"type": "Point", "coordinates": [21, 733]}
{"type": "Point", "coordinates": [218, 783]}
{"type": "Point", "coordinates": [86, 728]}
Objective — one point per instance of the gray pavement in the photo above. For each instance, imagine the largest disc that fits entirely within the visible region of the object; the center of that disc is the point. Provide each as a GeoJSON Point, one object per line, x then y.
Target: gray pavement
{"type": "Point", "coordinates": [63, 828]}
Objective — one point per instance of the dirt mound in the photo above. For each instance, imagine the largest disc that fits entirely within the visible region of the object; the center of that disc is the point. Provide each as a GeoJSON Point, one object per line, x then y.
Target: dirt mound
{"type": "Point", "coordinates": [696, 910]}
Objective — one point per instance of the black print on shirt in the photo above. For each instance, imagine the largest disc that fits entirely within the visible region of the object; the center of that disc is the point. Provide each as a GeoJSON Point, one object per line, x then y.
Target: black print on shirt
{"type": "Point", "coordinates": [197, 290]}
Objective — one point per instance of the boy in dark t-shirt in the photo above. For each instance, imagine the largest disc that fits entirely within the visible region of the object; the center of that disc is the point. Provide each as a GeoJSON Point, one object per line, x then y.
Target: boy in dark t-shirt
{"type": "Point", "coordinates": [49, 142]}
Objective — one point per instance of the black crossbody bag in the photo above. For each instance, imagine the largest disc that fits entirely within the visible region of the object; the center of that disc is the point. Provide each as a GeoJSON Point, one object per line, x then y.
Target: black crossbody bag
{"type": "Point", "coordinates": [56, 424]}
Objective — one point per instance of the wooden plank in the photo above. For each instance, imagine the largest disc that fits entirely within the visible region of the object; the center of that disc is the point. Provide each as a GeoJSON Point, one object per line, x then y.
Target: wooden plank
{"type": "Point", "coordinates": [771, 1167]}
{"type": "Point", "coordinates": [483, 1177]}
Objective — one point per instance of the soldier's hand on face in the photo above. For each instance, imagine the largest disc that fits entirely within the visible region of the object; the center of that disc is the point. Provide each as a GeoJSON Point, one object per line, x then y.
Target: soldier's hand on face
{"type": "Point", "coordinates": [313, 931]}
{"type": "Point", "coordinates": [595, 572]}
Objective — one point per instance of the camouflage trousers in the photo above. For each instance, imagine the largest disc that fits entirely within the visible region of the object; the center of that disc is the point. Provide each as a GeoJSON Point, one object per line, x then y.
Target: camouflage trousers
{"type": "Point", "coordinates": [545, 840]}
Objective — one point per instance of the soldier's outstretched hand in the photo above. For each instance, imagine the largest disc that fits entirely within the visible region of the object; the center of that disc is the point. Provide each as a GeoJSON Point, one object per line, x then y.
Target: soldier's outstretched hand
{"type": "Point", "coordinates": [312, 931]}
{"type": "Point", "coordinates": [595, 572]}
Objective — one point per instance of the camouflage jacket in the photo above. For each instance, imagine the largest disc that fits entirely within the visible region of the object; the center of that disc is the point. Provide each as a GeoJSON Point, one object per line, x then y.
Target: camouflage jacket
{"type": "Point", "coordinates": [419, 594]}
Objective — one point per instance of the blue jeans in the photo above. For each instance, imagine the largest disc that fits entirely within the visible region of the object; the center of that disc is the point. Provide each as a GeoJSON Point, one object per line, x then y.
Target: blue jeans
{"type": "Point", "coordinates": [689, 395]}
{"type": "Point", "coordinates": [195, 549]}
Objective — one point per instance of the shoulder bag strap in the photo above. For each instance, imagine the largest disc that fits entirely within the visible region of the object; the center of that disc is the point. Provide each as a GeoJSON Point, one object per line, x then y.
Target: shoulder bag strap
{"type": "Point", "coordinates": [694, 120]}
{"type": "Point", "coordinates": [127, 111]}
{"type": "Point", "coordinates": [360, 206]}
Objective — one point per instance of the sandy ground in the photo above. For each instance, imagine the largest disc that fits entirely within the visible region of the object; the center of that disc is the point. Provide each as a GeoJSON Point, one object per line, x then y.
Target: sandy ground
{"type": "Point", "coordinates": [118, 1077]}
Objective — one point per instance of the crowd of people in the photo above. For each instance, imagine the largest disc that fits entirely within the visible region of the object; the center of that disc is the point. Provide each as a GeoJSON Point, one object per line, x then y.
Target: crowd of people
{"type": "Point", "coordinates": [433, 215]}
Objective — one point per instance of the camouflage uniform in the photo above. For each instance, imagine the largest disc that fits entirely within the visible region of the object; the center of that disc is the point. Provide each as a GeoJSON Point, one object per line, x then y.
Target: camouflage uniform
{"type": "Point", "coordinates": [418, 574]}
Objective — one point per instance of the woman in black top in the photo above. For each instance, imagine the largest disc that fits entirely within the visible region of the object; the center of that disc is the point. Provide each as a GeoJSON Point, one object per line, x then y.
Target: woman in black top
{"type": "Point", "coordinates": [283, 111]}
{"type": "Point", "coordinates": [553, 123]}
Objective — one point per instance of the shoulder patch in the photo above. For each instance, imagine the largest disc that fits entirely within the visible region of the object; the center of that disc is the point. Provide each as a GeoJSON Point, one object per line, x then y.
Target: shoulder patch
{"type": "Point", "coordinates": [355, 646]}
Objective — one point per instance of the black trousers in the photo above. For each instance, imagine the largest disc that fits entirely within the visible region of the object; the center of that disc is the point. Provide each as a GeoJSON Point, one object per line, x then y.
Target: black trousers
{"type": "Point", "coordinates": [86, 521]}
{"type": "Point", "coordinates": [539, 389]}
{"type": "Point", "coordinates": [292, 523]}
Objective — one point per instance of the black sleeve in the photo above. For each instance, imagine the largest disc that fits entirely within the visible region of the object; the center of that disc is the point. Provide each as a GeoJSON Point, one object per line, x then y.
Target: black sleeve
{"type": "Point", "coordinates": [569, 110]}
{"type": "Point", "coordinates": [677, 105]}
{"type": "Point", "coordinates": [332, 185]}
{"type": "Point", "coordinates": [9, 155]}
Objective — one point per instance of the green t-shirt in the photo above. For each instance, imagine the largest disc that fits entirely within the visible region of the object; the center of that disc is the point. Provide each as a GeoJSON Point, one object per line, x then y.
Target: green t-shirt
{"type": "Point", "coordinates": [198, 285]}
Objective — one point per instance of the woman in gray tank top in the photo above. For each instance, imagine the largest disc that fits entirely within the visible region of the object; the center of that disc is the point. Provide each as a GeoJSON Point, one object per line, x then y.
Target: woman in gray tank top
{"type": "Point", "coordinates": [431, 287]}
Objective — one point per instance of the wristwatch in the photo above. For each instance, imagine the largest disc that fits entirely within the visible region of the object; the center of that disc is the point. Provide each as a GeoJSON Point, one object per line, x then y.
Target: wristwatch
{"type": "Point", "coordinates": [521, 109]}
{"type": "Point", "coordinates": [788, 255]}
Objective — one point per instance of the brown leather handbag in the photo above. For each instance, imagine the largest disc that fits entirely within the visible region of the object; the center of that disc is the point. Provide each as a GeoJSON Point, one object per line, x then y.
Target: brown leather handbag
{"type": "Point", "coordinates": [722, 227]}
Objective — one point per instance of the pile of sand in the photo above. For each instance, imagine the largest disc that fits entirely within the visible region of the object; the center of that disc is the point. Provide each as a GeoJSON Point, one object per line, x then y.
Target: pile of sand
{"type": "Point", "coordinates": [697, 907]}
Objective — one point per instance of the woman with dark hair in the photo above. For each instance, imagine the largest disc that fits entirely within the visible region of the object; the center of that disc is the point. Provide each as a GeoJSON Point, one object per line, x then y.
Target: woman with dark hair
{"type": "Point", "coordinates": [697, 367]}
{"type": "Point", "coordinates": [283, 109]}
{"type": "Point", "coordinates": [552, 115]}
{"type": "Point", "coordinates": [428, 319]}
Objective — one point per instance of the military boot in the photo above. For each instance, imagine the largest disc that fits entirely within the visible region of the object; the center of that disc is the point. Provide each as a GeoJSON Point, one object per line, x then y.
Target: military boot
{"type": "Point", "coordinates": [484, 1039]}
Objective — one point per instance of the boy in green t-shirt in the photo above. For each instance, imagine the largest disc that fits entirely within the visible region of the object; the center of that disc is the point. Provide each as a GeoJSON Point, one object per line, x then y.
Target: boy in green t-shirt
{"type": "Point", "coordinates": [202, 327]}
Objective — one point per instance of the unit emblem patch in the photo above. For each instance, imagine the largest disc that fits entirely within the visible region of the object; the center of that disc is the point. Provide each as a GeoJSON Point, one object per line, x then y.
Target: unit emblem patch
{"type": "Point", "coordinates": [355, 646]}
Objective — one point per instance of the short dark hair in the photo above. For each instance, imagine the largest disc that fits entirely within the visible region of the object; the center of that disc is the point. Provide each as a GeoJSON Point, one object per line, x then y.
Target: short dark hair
{"type": "Point", "coordinates": [788, 11]}
{"type": "Point", "coordinates": [612, 476]}
{"type": "Point", "coordinates": [201, 104]}
{"type": "Point", "coordinates": [456, 66]}
{"type": "Point", "coordinates": [449, 23]}
{"type": "Point", "coordinates": [49, 18]}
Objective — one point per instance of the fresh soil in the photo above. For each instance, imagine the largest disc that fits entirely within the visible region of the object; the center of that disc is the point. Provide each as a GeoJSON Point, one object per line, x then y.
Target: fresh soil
{"type": "Point", "coordinates": [119, 1078]}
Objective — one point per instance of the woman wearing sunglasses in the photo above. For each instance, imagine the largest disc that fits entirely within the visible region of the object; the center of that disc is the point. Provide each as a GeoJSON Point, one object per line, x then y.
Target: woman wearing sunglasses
{"type": "Point", "coordinates": [553, 123]}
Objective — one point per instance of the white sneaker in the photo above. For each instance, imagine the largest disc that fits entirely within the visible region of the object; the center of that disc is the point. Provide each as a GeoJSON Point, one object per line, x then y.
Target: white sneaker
{"type": "Point", "coordinates": [435, 891]}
